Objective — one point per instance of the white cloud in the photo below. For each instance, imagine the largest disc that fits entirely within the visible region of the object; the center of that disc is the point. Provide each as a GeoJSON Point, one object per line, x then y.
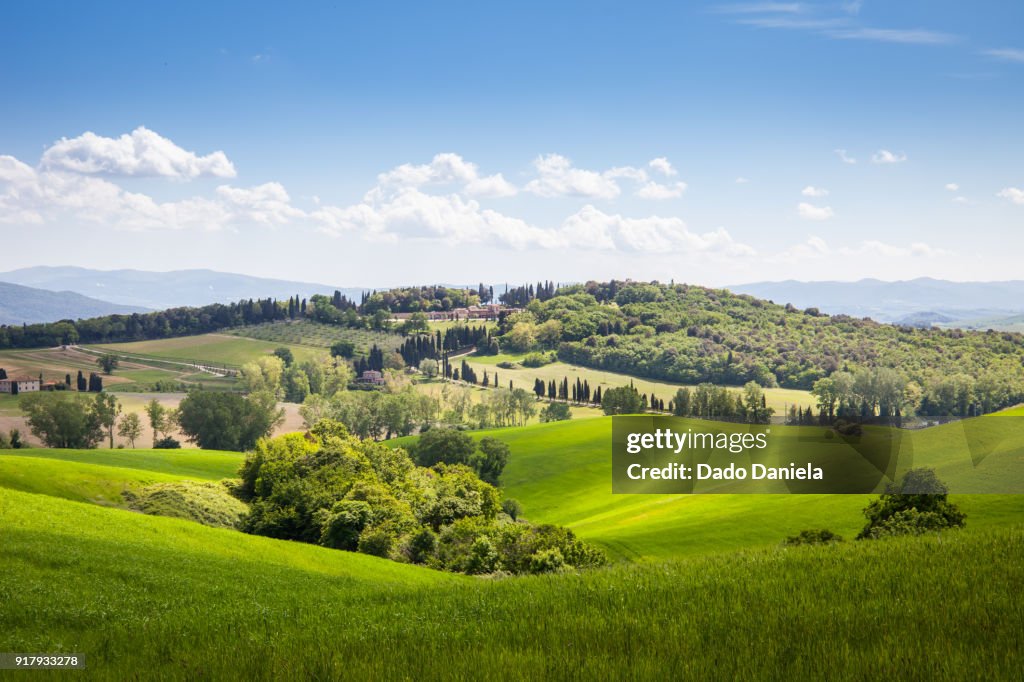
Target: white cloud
{"type": "Point", "coordinates": [592, 228]}
{"type": "Point", "coordinates": [952, 186]}
{"type": "Point", "coordinates": [447, 169]}
{"type": "Point", "coordinates": [812, 191]}
{"type": "Point", "coordinates": [1012, 194]}
{"type": "Point", "coordinates": [742, 180]}
{"type": "Point", "coordinates": [812, 212]}
{"type": "Point", "coordinates": [961, 200]}
{"type": "Point", "coordinates": [841, 153]}
{"type": "Point", "coordinates": [915, 36]}
{"type": "Point", "coordinates": [817, 248]}
{"type": "Point", "coordinates": [1007, 54]}
{"type": "Point", "coordinates": [558, 177]}
{"type": "Point", "coordinates": [267, 204]}
{"type": "Point", "coordinates": [140, 153]}
{"type": "Point", "coordinates": [654, 190]}
{"type": "Point", "coordinates": [884, 156]}
{"type": "Point", "coordinates": [663, 166]}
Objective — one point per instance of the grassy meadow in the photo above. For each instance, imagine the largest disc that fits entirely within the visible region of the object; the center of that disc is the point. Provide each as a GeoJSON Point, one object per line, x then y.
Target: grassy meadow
{"type": "Point", "coordinates": [317, 335]}
{"type": "Point", "coordinates": [779, 399]}
{"type": "Point", "coordinates": [561, 473]}
{"type": "Point", "coordinates": [224, 350]}
{"type": "Point", "coordinates": [151, 597]}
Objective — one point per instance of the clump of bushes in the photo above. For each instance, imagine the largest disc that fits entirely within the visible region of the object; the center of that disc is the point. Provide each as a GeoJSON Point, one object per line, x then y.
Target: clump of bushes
{"type": "Point", "coordinates": [327, 487]}
{"type": "Point", "coordinates": [914, 505]}
{"type": "Point", "coordinates": [210, 504]}
{"type": "Point", "coordinates": [167, 443]}
{"type": "Point", "coordinates": [533, 360]}
{"type": "Point", "coordinates": [820, 536]}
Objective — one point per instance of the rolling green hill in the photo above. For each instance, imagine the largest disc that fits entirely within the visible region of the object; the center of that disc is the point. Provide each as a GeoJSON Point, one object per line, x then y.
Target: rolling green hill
{"type": "Point", "coordinates": [155, 597]}
{"type": "Point", "coordinates": [561, 473]}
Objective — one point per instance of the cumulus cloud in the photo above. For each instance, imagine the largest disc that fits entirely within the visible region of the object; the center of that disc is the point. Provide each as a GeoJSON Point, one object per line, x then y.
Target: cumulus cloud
{"type": "Point", "coordinates": [1012, 194]}
{"type": "Point", "coordinates": [952, 186]}
{"type": "Point", "coordinates": [267, 204]}
{"type": "Point", "coordinates": [812, 191]}
{"type": "Point", "coordinates": [812, 212]}
{"type": "Point", "coordinates": [662, 165]}
{"type": "Point", "coordinates": [884, 156]}
{"type": "Point", "coordinates": [557, 177]}
{"type": "Point", "coordinates": [432, 201]}
{"type": "Point", "coordinates": [654, 190]}
{"type": "Point", "coordinates": [841, 153]}
{"type": "Point", "coordinates": [140, 153]}
{"type": "Point", "coordinates": [447, 169]}
{"type": "Point", "coordinates": [592, 228]}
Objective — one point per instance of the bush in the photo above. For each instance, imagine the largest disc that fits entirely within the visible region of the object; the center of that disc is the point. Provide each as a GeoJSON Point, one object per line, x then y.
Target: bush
{"type": "Point", "coordinates": [556, 412]}
{"type": "Point", "coordinates": [505, 364]}
{"type": "Point", "coordinates": [512, 508]}
{"type": "Point", "coordinates": [910, 522]}
{"type": "Point", "coordinates": [210, 504]}
{"type": "Point", "coordinates": [534, 360]}
{"type": "Point", "coordinates": [167, 443]}
{"type": "Point", "coordinates": [915, 504]}
{"type": "Point", "coordinates": [547, 561]}
{"type": "Point", "coordinates": [821, 536]}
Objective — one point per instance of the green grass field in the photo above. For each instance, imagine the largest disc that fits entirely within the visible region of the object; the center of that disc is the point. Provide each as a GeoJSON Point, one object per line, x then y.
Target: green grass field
{"type": "Point", "coordinates": [779, 399]}
{"type": "Point", "coordinates": [150, 597]}
{"type": "Point", "coordinates": [561, 473]}
{"type": "Point", "coordinates": [317, 335]}
{"type": "Point", "coordinates": [214, 349]}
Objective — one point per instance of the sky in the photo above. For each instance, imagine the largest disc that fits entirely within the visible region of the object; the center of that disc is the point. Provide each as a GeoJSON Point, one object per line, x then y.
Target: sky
{"type": "Point", "coordinates": [379, 144]}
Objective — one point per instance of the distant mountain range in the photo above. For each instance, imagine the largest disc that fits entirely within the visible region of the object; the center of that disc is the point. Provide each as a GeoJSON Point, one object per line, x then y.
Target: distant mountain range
{"type": "Point", "coordinates": [919, 302]}
{"type": "Point", "coordinates": [161, 290]}
{"type": "Point", "coordinates": [26, 305]}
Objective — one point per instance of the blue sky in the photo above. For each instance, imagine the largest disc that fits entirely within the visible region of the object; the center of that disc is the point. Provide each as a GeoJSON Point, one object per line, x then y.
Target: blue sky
{"type": "Point", "coordinates": [376, 144]}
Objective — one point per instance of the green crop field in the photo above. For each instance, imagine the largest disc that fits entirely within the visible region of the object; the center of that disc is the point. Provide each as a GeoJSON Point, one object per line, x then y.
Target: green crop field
{"type": "Point", "coordinates": [317, 335]}
{"type": "Point", "coordinates": [561, 473]}
{"type": "Point", "coordinates": [143, 596]}
{"type": "Point", "coordinates": [779, 399]}
{"type": "Point", "coordinates": [214, 349]}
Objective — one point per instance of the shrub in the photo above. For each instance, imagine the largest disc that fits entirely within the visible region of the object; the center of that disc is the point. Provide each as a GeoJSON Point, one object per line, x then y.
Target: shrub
{"type": "Point", "coordinates": [547, 561]}
{"type": "Point", "coordinates": [556, 412]}
{"type": "Point", "coordinates": [915, 504]}
{"type": "Point", "coordinates": [512, 508]}
{"type": "Point", "coordinates": [167, 443]}
{"type": "Point", "coordinates": [534, 360]}
{"type": "Point", "coordinates": [821, 536]}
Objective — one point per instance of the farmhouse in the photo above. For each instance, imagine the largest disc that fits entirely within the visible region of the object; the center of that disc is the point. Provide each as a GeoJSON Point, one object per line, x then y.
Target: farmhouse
{"type": "Point", "coordinates": [371, 376]}
{"type": "Point", "coordinates": [19, 385]}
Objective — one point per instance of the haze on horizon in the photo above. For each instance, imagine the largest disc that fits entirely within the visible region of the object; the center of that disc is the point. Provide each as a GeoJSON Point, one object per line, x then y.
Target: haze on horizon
{"type": "Point", "coordinates": [714, 144]}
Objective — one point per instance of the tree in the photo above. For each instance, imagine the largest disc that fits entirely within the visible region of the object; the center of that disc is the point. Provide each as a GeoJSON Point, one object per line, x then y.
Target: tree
{"type": "Point", "coordinates": [555, 412]}
{"type": "Point", "coordinates": [913, 505]}
{"type": "Point", "coordinates": [108, 362]}
{"type": "Point", "coordinates": [95, 383]}
{"type": "Point", "coordinates": [444, 445]}
{"type": "Point", "coordinates": [429, 368]}
{"type": "Point", "coordinates": [227, 421]}
{"type": "Point", "coordinates": [622, 400]}
{"type": "Point", "coordinates": [157, 414]}
{"type": "Point", "coordinates": [130, 428]}
{"type": "Point", "coordinates": [107, 408]}
{"type": "Point", "coordinates": [286, 355]}
{"type": "Point", "coordinates": [81, 385]}
{"type": "Point", "coordinates": [61, 420]}
{"type": "Point", "coordinates": [490, 460]}
{"type": "Point", "coordinates": [343, 349]}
